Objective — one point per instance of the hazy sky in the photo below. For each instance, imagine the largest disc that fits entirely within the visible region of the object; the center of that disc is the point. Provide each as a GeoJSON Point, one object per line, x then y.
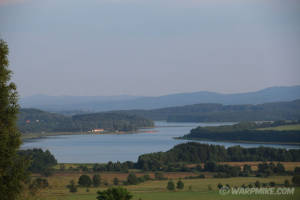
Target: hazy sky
{"type": "Point", "coordinates": [151, 47]}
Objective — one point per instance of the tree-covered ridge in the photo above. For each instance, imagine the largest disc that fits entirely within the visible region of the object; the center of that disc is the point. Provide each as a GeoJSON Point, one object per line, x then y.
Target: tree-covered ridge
{"type": "Point", "coordinates": [192, 152]}
{"type": "Point", "coordinates": [211, 112]}
{"type": "Point", "coordinates": [111, 121]}
{"type": "Point", "coordinates": [34, 121]}
{"type": "Point", "coordinates": [248, 131]}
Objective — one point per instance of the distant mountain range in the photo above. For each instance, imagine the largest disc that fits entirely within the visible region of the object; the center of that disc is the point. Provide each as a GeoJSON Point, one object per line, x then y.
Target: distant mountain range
{"type": "Point", "coordinates": [126, 102]}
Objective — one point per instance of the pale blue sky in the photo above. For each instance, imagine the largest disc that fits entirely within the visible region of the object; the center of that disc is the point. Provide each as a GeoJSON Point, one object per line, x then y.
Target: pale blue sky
{"type": "Point", "coordinates": [151, 47]}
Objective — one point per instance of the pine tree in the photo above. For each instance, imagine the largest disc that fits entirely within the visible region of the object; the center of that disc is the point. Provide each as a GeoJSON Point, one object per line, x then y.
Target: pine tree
{"type": "Point", "coordinates": [12, 167]}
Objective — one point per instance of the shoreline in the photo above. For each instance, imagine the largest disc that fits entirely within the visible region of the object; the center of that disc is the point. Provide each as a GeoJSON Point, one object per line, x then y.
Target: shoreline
{"type": "Point", "coordinates": [35, 136]}
{"type": "Point", "coordinates": [236, 141]}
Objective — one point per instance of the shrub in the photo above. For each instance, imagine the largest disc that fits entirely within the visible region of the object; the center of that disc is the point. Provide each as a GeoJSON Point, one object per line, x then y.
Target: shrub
{"type": "Point", "coordinates": [296, 180]}
{"type": "Point", "coordinates": [272, 184]}
{"type": "Point", "coordinates": [257, 184]}
{"type": "Point", "coordinates": [132, 179]}
{"type": "Point", "coordinates": [118, 193]}
{"type": "Point", "coordinates": [180, 185]}
{"type": "Point", "coordinates": [72, 187]}
{"type": "Point", "coordinates": [116, 181]}
{"type": "Point", "coordinates": [171, 185]}
{"type": "Point", "coordinates": [96, 180]}
{"type": "Point", "coordinates": [219, 185]}
{"type": "Point", "coordinates": [85, 181]}
{"type": "Point", "coordinates": [286, 183]}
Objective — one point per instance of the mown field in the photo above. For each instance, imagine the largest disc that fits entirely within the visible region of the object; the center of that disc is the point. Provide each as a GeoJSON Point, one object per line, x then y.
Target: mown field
{"type": "Point", "coordinates": [195, 189]}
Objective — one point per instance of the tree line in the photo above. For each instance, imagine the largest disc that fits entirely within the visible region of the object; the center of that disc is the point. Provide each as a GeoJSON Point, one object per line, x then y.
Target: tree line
{"type": "Point", "coordinates": [36, 121]}
{"type": "Point", "coordinates": [247, 131]}
{"type": "Point", "coordinates": [192, 152]}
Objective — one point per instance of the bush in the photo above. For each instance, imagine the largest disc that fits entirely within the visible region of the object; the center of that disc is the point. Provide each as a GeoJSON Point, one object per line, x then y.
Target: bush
{"type": "Point", "coordinates": [180, 185]}
{"type": "Point", "coordinates": [171, 185]}
{"type": "Point", "coordinates": [272, 183]}
{"type": "Point", "coordinates": [116, 181]}
{"type": "Point", "coordinates": [85, 181]}
{"type": "Point", "coordinates": [96, 180]}
{"type": "Point", "coordinates": [132, 179]}
{"type": "Point", "coordinates": [297, 170]}
{"type": "Point", "coordinates": [37, 185]}
{"type": "Point", "coordinates": [286, 183]}
{"type": "Point", "coordinates": [219, 185]}
{"type": "Point", "coordinates": [72, 187]}
{"type": "Point", "coordinates": [296, 180]}
{"type": "Point", "coordinates": [257, 184]}
{"type": "Point", "coordinates": [118, 193]}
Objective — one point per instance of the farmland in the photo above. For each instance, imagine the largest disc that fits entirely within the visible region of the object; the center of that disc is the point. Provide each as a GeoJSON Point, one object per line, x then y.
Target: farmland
{"type": "Point", "coordinates": [156, 189]}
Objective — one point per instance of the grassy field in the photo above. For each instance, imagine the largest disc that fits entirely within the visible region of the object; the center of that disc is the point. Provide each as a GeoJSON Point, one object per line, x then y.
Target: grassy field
{"type": "Point", "coordinates": [290, 166]}
{"type": "Point", "coordinates": [156, 190]}
{"type": "Point", "coordinates": [294, 127]}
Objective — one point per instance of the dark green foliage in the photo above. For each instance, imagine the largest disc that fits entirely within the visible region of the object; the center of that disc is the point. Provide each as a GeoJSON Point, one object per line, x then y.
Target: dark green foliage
{"type": "Point", "coordinates": [85, 181]}
{"type": "Point", "coordinates": [245, 131]}
{"type": "Point", "coordinates": [36, 121]}
{"type": "Point", "coordinates": [296, 180]}
{"type": "Point", "coordinates": [96, 180]}
{"type": "Point", "coordinates": [257, 184]}
{"type": "Point", "coordinates": [12, 166]}
{"type": "Point", "coordinates": [72, 187]}
{"type": "Point", "coordinates": [270, 168]}
{"type": "Point", "coordinates": [192, 152]}
{"type": "Point", "coordinates": [219, 185]}
{"type": "Point", "coordinates": [41, 161]}
{"type": "Point", "coordinates": [116, 181]}
{"type": "Point", "coordinates": [272, 184]}
{"type": "Point", "coordinates": [210, 166]}
{"type": "Point", "coordinates": [110, 166]}
{"type": "Point", "coordinates": [297, 170]}
{"type": "Point", "coordinates": [115, 193]}
{"type": "Point", "coordinates": [132, 179]}
{"type": "Point", "coordinates": [286, 183]}
{"type": "Point", "coordinates": [247, 168]}
{"type": "Point", "coordinates": [171, 185]}
{"type": "Point", "coordinates": [180, 185]}
{"type": "Point", "coordinates": [37, 185]}
{"type": "Point", "coordinates": [111, 121]}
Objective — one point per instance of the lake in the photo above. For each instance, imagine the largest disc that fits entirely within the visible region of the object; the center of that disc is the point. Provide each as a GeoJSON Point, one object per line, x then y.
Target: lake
{"type": "Point", "coordinates": [123, 147]}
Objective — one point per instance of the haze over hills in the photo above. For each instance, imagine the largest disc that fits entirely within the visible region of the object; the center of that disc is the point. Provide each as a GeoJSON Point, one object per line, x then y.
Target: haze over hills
{"type": "Point", "coordinates": [124, 102]}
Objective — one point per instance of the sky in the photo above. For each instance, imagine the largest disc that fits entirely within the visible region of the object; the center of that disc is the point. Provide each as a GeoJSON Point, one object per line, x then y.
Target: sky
{"type": "Point", "coordinates": [151, 47]}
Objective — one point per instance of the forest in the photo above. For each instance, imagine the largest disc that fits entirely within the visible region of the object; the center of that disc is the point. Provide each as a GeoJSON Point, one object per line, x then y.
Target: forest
{"type": "Point", "coordinates": [36, 121]}
{"type": "Point", "coordinates": [192, 152]}
{"type": "Point", "coordinates": [248, 131]}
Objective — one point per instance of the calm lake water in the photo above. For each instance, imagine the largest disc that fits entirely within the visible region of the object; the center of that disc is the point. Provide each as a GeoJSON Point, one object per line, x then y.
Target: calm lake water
{"type": "Point", "coordinates": [112, 147]}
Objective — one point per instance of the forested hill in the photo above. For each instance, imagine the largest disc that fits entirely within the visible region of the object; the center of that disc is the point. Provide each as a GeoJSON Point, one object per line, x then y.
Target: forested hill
{"type": "Point", "coordinates": [224, 113]}
{"type": "Point", "coordinates": [275, 132]}
{"type": "Point", "coordinates": [35, 121]}
{"type": "Point", "coordinates": [192, 152]}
